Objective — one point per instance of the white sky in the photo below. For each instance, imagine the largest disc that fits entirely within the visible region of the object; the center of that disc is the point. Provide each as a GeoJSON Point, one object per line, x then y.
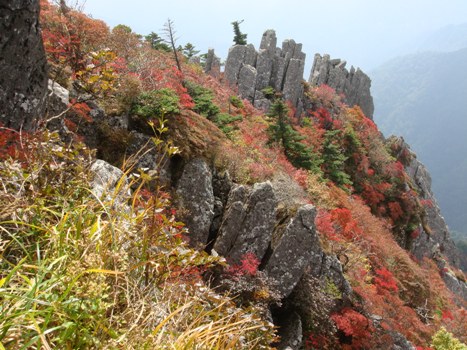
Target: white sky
{"type": "Point", "coordinates": [363, 32]}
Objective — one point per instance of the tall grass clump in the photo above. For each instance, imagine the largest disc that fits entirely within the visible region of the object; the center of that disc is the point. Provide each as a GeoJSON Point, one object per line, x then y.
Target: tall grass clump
{"type": "Point", "coordinates": [83, 270]}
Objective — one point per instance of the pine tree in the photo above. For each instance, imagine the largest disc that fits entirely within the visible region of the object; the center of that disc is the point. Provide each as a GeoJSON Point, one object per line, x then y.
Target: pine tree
{"type": "Point", "coordinates": [282, 132]}
{"type": "Point", "coordinates": [334, 159]}
{"type": "Point", "coordinates": [239, 38]}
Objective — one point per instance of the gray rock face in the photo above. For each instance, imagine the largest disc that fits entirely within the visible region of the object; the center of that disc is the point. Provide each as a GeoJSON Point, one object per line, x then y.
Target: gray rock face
{"type": "Point", "coordinates": [292, 88]}
{"type": "Point", "coordinates": [213, 64]}
{"type": "Point", "coordinates": [196, 199]}
{"type": "Point", "coordinates": [248, 222]}
{"type": "Point", "coordinates": [246, 82]}
{"type": "Point", "coordinates": [234, 63]}
{"type": "Point", "coordinates": [293, 251]}
{"type": "Point", "coordinates": [434, 241]}
{"type": "Point", "coordinates": [437, 242]}
{"type": "Point", "coordinates": [280, 68]}
{"type": "Point", "coordinates": [23, 72]}
{"type": "Point", "coordinates": [354, 84]}
{"type": "Point", "coordinates": [328, 267]}
{"type": "Point", "coordinates": [105, 184]}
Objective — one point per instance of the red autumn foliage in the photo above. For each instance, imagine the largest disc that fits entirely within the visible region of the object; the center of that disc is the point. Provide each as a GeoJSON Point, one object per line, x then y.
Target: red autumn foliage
{"type": "Point", "coordinates": [427, 202]}
{"type": "Point", "coordinates": [395, 210]}
{"type": "Point", "coordinates": [248, 266]}
{"type": "Point", "coordinates": [317, 342]}
{"type": "Point", "coordinates": [68, 37]}
{"type": "Point", "coordinates": [325, 225]}
{"type": "Point", "coordinates": [353, 324]}
{"type": "Point", "coordinates": [447, 315]}
{"type": "Point", "coordinates": [82, 110]}
{"type": "Point", "coordinates": [348, 227]}
{"type": "Point", "coordinates": [384, 281]}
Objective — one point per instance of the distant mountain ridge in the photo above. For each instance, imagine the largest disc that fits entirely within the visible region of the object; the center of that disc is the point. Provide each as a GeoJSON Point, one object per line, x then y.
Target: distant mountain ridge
{"type": "Point", "coordinates": [423, 98]}
{"type": "Point", "coordinates": [446, 39]}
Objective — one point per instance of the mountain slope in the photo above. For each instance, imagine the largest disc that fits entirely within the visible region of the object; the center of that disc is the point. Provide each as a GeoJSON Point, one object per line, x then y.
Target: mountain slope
{"type": "Point", "coordinates": [430, 112]}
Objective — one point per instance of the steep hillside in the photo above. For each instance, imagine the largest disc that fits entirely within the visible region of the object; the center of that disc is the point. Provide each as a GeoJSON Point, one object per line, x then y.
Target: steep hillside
{"type": "Point", "coordinates": [430, 112]}
{"type": "Point", "coordinates": [153, 207]}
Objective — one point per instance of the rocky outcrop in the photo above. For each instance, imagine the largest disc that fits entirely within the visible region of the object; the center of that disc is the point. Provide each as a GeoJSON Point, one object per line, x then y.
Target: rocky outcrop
{"type": "Point", "coordinates": [294, 250]}
{"type": "Point", "coordinates": [248, 222]}
{"type": "Point", "coordinates": [195, 199]}
{"type": "Point", "coordinates": [270, 66]}
{"type": "Point", "coordinates": [23, 73]}
{"type": "Point", "coordinates": [213, 64]}
{"type": "Point", "coordinates": [434, 240]}
{"type": "Point", "coordinates": [354, 84]}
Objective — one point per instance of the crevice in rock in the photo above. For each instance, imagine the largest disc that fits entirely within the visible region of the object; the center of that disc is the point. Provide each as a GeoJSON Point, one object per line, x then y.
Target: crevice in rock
{"type": "Point", "coordinates": [176, 169]}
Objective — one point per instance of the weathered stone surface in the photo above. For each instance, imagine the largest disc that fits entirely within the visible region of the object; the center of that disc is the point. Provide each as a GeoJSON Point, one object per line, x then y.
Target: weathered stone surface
{"type": "Point", "coordinates": [278, 72]}
{"type": "Point", "coordinates": [109, 183]}
{"type": "Point", "coordinates": [268, 41]}
{"type": "Point", "coordinates": [23, 72]}
{"type": "Point", "coordinates": [234, 63]}
{"type": "Point", "coordinates": [354, 84]}
{"type": "Point", "coordinates": [213, 64]}
{"type": "Point", "coordinates": [323, 266]}
{"type": "Point", "coordinates": [400, 342]}
{"type": "Point", "coordinates": [246, 82]}
{"type": "Point", "coordinates": [293, 251]}
{"type": "Point", "coordinates": [292, 88]}
{"type": "Point", "coordinates": [264, 68]}
{"type": "Point", "coordinates": [58, 99]}
{"type": "Point", "coordinates": [261, 102]}
{"type": "Point", "coordinates": [250, 55]}
{"type": "Point", "coordinates": [195, 199]}
{"type": "Point", "coordinates": [59, 92]}
{"type": "Point", "coordinates": [279, 68]}
{"type": "Point", "coordinates": [455, 285]}
{"type": "Point", "coordinates": [248, 222]}
{"type": "Point", "coordinates": [221, 185]}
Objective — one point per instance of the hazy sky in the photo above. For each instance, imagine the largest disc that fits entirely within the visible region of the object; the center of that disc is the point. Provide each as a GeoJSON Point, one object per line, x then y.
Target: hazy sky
{"type": "Point", "coordinates": [363, 32]}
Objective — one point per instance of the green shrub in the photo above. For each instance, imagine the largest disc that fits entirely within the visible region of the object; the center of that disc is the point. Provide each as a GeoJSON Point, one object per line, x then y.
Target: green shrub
{"type": "Point", "coordinates": [236, 101]}
{"type": "Point", "coordinates": [202, 98]}
{"type": "Point", "coordinates": [155, 103]}
{"type": "Point", "coordinates": [269, 92]}
{"type": "Point", "coordinates": [225, 122]}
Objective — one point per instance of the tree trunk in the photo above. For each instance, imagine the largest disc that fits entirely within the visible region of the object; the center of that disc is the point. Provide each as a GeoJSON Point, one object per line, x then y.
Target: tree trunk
{"type": "Point", "coordinates": [23, 65]}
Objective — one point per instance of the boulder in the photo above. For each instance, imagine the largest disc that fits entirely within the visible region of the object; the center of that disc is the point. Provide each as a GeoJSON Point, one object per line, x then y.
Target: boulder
{"type": "Point", "coordinates": [23, 68]}
{"type": "Point", "coordinates": [109, 183]}
{"type": "Point", "coordinates": [293, 251]}
{"type": "Point", "coordinates": [248, 222]}
{"type": "Point", "coordinates": [195, 200]}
